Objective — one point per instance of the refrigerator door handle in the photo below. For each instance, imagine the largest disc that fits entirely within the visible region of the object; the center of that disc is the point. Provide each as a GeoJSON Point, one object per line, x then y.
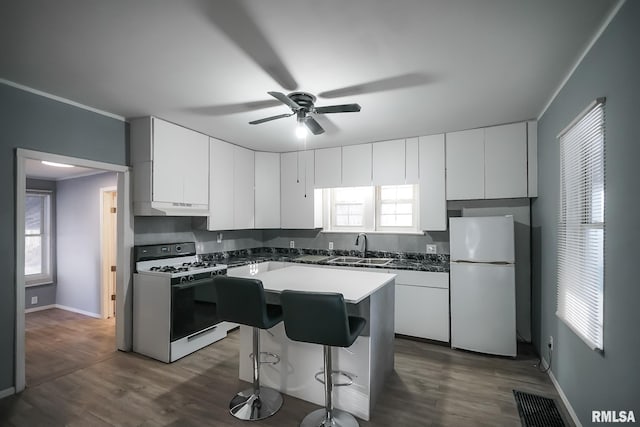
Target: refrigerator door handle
{"type": "Point", "coordinates": [464, 261]}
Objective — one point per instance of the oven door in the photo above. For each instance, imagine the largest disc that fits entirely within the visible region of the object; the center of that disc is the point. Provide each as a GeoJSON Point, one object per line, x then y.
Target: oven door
{"type": "Point", "coordinates": [193, 307]}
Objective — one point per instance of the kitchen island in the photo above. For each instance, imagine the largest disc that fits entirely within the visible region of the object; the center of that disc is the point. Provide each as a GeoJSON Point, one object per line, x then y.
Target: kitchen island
{"type": "Point", "coordinates": [369, 360]}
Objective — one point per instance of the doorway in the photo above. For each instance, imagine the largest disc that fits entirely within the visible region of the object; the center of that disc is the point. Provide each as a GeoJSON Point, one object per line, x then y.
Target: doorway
{"type": "Point", "coordinates": [123, 244]}
{"type": "Point", "coordinates": [108, 238]}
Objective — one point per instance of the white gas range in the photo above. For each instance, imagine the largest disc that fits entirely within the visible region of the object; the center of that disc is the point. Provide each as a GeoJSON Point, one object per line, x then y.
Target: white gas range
{"type": "Point", "coordinates": [174, 301]}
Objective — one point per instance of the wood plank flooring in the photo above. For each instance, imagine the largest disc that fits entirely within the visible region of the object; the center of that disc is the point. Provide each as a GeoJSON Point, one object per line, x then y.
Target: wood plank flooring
{"type": "Point", "coordinates": [75, 378]}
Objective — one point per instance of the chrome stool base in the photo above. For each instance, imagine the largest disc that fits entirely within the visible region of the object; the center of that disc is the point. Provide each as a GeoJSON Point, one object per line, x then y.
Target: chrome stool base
{"type": "Point", "coordinates": [318, 417]}
{"type": "Point", "coordinates": [251, 407]}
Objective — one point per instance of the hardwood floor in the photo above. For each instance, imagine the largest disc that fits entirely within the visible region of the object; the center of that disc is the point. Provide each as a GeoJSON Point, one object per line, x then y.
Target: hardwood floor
{"type": "Point", "coordinates": [75, 378]}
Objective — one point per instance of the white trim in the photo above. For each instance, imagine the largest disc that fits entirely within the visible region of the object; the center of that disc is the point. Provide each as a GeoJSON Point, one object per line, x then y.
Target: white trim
{"type": "Point", "coordinates": [405, 233]}
{"type": "Point", "coordinates": [593, 41]}
{"type": "Point", "coordinates": [7, 392]}
{"type": "Point", "coordinates": [77, 310]}
{"type": "Point", "coordinates": [104, 294]}
{"type": "Point", "coordinates": [565, 400]}
{"type": "Point", "coordinates": [21, 192]}
{"type": "Point", "coordinates": [124, 252]}
{"type": "Point", "coordinates": [42, 307]}
{"type": "Point", "coordinates": [61, 99]}
{"type": "Point", "coordinates": [39, 155]}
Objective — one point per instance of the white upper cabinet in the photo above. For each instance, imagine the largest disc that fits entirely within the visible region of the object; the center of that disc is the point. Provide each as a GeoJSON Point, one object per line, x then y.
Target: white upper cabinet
{"type": "Point", "coordinates": [170, 169]}
{"type": "Point", "coordinates": [389, 162]}
{"type": "Point", "coordinates": [328, 167]}
{"type": "Point", "coordinates": [505, 161]}
{"type": "Point", "coordinates": [433, 203]}
{"type": "Point", "coordinates": [297, 207]}
{"type": "Point", "coordinates": [243, 192]}
{"type": "Point", "coordinates": [232, 178]}
{"type": "Point", "coordinates": [267, 190]}
{"type": "Point", "coordinates": [465, 164]}
{"type": "Point", "coordinates": [412, 175]}
{"type": "Point", "coordinates": [356, 165]}
{"type": "Point", "coordinates": [221, 198]}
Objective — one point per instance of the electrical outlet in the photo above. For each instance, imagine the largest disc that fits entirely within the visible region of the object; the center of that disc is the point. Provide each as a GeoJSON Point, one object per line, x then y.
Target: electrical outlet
{"type": "Point", "coordinates": [292, 244]}
{"type": "Point", "coordinates": [431, 249]}
{"type": "Point", "coordinates": [219, 238]}
{"type": "Point", "coordinates": [330, 246]}
{"type": "Point", "coordinates": [551, 342]}
{"type": "Point", "coordinates": [34, 300]}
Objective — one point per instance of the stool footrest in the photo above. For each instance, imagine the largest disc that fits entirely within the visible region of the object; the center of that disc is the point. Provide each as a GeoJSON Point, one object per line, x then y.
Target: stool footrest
{"type": "Point", "coordinates": [350, 377]}
{"type": "Point", "coordinates": [275, 361]}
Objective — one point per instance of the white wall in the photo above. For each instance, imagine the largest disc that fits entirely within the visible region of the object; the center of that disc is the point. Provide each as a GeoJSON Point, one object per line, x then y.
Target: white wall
{"type": "Point", "coordinates": [521, 212]}
{"type": "Point", "coordinates": [78, 241]}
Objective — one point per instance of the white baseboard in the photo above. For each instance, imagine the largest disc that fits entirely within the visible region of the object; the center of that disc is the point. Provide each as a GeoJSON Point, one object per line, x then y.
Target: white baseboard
{"type": "Point", "coordinates": [7, 392]}
{"type": "Point", "coordinates": [42, 307]}
{"type": "Point", "coordinates": [76, 310]}
{"type": "Point", "coordinates": [572, 413]}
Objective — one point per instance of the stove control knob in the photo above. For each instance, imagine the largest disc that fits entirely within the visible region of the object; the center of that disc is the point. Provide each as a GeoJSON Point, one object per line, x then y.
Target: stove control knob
{"type": "Point", "coordinates": [183, 279]}
{"type": "Point", "coordinates": [190, 278]}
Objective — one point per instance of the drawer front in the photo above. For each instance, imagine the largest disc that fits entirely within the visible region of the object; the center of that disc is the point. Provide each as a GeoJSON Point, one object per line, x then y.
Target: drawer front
{"type": "Point", "coordinates": [188, 345]}
{"type": "Point", "coordinates": [422, 278]}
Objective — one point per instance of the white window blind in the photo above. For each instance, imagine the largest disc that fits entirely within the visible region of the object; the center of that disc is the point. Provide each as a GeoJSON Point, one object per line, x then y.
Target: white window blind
{"type": "Point", "coordinates": [37, 266]}
{"type": "Point", "coordinates": [581, 225]}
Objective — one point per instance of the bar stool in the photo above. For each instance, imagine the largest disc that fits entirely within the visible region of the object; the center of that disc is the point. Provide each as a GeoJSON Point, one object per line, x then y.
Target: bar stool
{"type": "Point", "coordinates": [321, 318]}
{"type": "Point", "coordinates": [241, 300]}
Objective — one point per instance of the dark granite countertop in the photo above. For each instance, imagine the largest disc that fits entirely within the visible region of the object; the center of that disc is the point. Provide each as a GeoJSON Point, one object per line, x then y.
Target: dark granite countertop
{"type": "Point", "coordinates": [399, 260]}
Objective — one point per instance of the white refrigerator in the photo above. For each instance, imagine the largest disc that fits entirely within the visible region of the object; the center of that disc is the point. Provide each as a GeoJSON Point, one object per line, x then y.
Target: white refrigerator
{"type": "Point", "coordinates": [483, 291]}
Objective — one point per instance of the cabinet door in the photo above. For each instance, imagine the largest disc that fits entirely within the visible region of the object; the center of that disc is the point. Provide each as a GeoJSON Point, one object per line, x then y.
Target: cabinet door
{"type": "Point", "coordinates": [267, 190]}
{"type": "Point", "coordinates": [196, 171]}
{"type": "Point", "coordinates": [221, 186]}
{"type": "Point", "coordinates": [169, 159]}
{"type": "Point", "coordinates": [433, 203]}
{"type": "Point", "coordinates": [505, 161]}
{"type": "Point", "coordinates": [411, 161]}
{"type": "Point", "coordinates": [297, 193]}
{"type": "Point", "coordinates": [243, 194]}
{"type": "Point", "coordinates": [465, 164]}
{"type": "Point", "coordinates": [389, 162]}
{"type": "Point", "coordinates": [356, 165]}
{"type": "Point", "coordinates": [328, 167]}
{"type": "Point", "coordinates": [422, 312]}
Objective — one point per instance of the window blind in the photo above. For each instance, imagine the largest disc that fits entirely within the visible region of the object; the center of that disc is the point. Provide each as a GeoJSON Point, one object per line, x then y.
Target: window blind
{"type": "Point", "coordinates": [581, 225]}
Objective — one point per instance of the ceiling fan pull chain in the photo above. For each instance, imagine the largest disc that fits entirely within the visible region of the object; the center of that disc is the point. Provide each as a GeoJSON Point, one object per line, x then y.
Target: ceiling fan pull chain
{"type": "Point", "coordinates": [298, 167]}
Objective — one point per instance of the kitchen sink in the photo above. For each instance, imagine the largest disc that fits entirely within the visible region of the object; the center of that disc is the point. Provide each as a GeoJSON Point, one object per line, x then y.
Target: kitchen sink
{"type": "Point", "coordinates": [345, 260]}
{"type": "Point", "coordinates": [360, 261]}
{"type": "Point", "coordinates": [375, 261]}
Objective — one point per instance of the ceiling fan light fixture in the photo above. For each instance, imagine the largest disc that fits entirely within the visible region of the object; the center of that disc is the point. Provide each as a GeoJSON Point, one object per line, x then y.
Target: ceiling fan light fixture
{"type": "Point", "coordinates": [301, 130]}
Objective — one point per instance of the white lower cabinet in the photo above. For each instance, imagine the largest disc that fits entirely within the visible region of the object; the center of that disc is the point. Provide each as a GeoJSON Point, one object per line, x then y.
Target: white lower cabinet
{"type": "Point", "coordinates": [422, 304]}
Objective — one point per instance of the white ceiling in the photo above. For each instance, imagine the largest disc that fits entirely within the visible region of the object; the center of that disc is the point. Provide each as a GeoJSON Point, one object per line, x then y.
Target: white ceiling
{"type": "Point", "coordinates": [416, 67]}
{"type": "Point", "coordinates": [36, 169]}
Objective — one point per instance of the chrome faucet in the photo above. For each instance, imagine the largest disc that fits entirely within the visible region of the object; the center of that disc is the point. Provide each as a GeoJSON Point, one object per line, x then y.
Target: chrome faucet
{"type": "Point", "coordinates": [364, 246]}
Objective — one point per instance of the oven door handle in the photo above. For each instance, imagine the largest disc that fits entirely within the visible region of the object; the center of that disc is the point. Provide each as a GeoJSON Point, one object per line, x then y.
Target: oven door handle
{"type": "Point", "coordinates": [187, 285]}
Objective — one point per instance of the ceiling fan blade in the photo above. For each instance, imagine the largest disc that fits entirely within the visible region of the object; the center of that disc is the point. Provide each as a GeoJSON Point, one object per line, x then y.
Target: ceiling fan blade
{"type": "Point", "coordinates": [285, 100]}
{"type": "Point", "coordinates": [313, 126]}
{"type": "Point", "coordinates": [268, 119]}
{"type": "Point", "coordinates": [346, 108]}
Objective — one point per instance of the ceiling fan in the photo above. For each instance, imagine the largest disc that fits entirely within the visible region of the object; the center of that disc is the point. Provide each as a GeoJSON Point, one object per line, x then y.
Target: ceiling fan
{"type": "Point", "coordinates": [302, 104]}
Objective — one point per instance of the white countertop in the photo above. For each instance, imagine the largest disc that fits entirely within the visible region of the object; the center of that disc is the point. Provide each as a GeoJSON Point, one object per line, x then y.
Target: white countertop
{"type": "Point", "coordinates": [353, 285]}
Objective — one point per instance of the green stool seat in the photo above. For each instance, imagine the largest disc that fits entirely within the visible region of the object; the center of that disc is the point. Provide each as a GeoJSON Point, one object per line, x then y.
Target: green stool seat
{"type": "Point", "coordinates": [321, 318]}
{"type": "Point", "coordinates": [242, 301]}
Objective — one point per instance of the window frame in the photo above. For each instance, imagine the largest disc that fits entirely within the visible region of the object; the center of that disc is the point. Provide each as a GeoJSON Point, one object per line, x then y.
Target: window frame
{"type": "Point", "coordinates": [46, 234]}
{"type": "Point", "coordinates": [371, 224]}
{"type": "Point", "coordinates": [415, 202]}
{"type": "Point", "coordinates": [580, 255]}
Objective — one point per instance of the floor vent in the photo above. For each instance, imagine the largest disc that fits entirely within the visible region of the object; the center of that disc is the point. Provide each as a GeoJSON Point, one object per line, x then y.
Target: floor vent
{"type": "Point", "coordinates": [537, 411]}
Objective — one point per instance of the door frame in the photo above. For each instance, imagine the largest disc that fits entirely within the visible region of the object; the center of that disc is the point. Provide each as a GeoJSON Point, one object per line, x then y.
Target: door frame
{"type": "Point", "coordinates": [123, 257]}
{"type": "Point", "coordinates": [105, 297]}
